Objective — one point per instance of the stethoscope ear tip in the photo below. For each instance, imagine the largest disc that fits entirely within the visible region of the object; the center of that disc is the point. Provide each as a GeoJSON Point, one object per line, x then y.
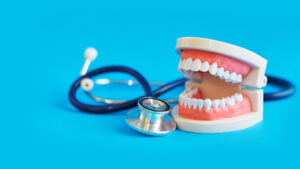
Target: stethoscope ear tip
{"type": "Point", "coordinates": [86, 84]}
{"type": "Point", "coordinates": [151, 119]}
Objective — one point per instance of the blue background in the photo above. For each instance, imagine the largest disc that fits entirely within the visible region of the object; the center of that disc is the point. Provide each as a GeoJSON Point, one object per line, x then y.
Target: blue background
{"type": "Point", "coordinates": [42, 46]}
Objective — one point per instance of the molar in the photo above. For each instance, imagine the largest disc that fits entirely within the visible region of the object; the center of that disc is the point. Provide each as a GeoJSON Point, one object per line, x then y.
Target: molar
{"type": "Point", "coordinates": [239, 78]}
{"type": "Point", "coordinates": [232, 77]}
{"type": "Point", "coordinates": [238, 97]}
{"type": "Point", "coordinates": [229, 101]}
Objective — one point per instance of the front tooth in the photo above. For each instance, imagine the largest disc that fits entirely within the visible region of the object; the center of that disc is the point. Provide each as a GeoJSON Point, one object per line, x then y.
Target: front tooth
{"type": "Point", "coordinates": [187, 64]}
{"type": "Point", "coordinates": [220, 72]}
{"type": "Point", "coordinates": [207, 104]}
{"type": "Point", "coordinates": [226, 75]}
{"type": "Point", "coordinates": [213, 68]}
{"type": "Point", "coordinates": [222, 102]}
{"type": "Point", "coordinates": [200, 103]}
{"type": "Point", "coordinates": [196, 65]}
{"type": "Point", "coordinates": [194, 102]}
{"type": "Point", "coordinates": [185, 101]}
{"type": "Point", "coordinates": [181, 99]}
{"type": "Point", "coordinates": [216, 103]}
{"type": "Point", "coordinates": [204, 67]}
{"type": "Point", "coordinates": [189, 102]}
{"type": "Point", "coordinates": [179, 64]}
{"type": "Point", "coordinates": [239, 78]}
{"type": "Point", "coordinates": [232, 76]}
{"type": "Point", "coordinates": [182, 64]}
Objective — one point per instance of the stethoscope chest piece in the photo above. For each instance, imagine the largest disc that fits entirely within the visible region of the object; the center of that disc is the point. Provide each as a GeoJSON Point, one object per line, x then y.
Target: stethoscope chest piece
{"type": "Point", "coordinates": [152, 118]}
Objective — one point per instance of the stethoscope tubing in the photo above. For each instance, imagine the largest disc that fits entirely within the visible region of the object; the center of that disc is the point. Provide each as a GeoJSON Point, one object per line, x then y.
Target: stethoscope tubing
{"type": "Point", "coordinates": [114, 107]}
{"type": "Point", "coordinates": [287, 89]}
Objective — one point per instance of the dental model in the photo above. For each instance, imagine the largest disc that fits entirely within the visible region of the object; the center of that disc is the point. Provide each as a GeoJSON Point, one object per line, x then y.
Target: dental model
{"type": "Point", "coordinates": [218, 98]}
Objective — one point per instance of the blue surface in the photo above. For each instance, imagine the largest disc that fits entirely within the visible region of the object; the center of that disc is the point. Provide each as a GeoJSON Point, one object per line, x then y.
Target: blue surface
{"type": "Point", "coordinates": [41, 55]}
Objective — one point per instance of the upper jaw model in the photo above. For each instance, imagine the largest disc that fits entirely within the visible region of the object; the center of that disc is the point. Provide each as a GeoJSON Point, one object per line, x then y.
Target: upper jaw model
{"type": "Point", "coordinates": [217, 97]}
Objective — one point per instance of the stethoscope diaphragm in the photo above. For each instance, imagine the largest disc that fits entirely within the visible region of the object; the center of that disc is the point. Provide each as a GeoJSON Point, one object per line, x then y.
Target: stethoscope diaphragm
{"type": "Point", "coordinates": [151, 118]}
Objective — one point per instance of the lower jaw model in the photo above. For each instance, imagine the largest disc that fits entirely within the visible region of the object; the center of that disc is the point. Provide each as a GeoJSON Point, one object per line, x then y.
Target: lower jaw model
{"type": "Point", "coordinates": [217, 97]}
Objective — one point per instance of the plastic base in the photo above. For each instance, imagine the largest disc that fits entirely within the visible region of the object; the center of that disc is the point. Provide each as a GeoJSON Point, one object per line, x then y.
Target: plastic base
{"type": "Point", "coordinates": [216, 126]}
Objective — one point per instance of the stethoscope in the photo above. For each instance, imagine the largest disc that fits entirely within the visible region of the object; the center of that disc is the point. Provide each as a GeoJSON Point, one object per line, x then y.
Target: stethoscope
{"type": "Point", "coordinates": [151, 118]}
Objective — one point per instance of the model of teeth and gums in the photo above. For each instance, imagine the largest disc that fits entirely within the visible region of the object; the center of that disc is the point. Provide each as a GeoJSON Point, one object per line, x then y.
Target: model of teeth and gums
{"type": "Point", "coordinates": [224, 92]}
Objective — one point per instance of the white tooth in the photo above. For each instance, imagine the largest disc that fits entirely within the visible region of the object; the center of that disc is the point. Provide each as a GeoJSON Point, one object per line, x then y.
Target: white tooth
{"type": "Point", "coordinates": [232, 76]}
{"type": "Point", "coordinates": [181, 99]}
{"type": "Point", "coordinates": [216, 103]}
{"type": "Point", "coordinates": [182, 63]}
{"type": "Point", "coordinates": [185, 101]}
{"type": "Point", "coordinates": [222, 102]}
{"type": "Point", "coordinates": [241, 97]}
{"type": "Point", "coordinates": [207, 104]}
{"type": "Point", "coordinates": [238, 97]}
{"type": "Point", "coordinates": [232, 101]}
{"type": "Point", "coordinates": [226, 75]}
{"type": "Point", "coordinates": [189, 102]}
{"type": "Point", "coordinates": [213, 68]}
{"type": "Point", "coordinates": [227, 80]}
{"type": "Point", "coordinates": [239, 78]}
{"type": "Point", "coordinates": [196, 65]}
{"type": "Point", "coordinates": [204, 67]}
{"type": "Point", "coordinates": [194, 102]}
{"type": "Point", "coordinates": [220, 72]}
{"type": "Point", "coordinates": [195, 91]}
{"type": "Point", "coordinates": [234, 81]}
{"type": "Point", "coordinates": [200, 103]}
{"type": "Point", "coordinates": [188, 88]}
{"type": "Point", "coordinates": [227, 101]}
{"type": "Point", "coordinates": [179, 64]}
{"type": "Point", "coordinates": [187, 64]}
